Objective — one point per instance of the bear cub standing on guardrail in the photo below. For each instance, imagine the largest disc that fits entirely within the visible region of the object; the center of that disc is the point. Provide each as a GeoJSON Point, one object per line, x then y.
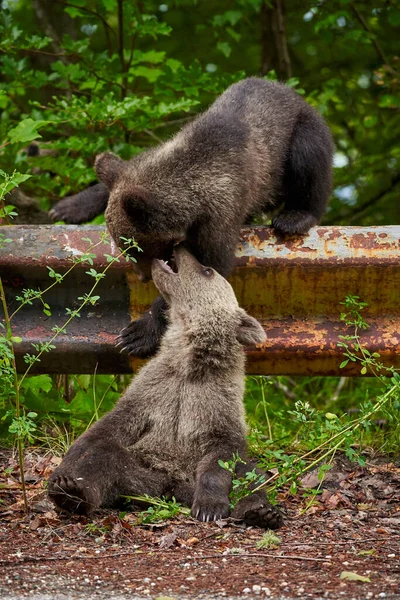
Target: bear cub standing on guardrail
{"type": "Point", "coordinates": [181, 414]}
{"type": "Point", "coordinates": [259, 146]}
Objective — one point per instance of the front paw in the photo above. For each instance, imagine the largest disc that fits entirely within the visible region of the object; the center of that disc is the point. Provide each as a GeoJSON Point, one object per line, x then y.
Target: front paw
{"type": "Point", "coordinates": [210, 510]}
{"type": "Point", "coordinates": [69, 211]}
{"type": "Point", "coordinates": [142, 337]}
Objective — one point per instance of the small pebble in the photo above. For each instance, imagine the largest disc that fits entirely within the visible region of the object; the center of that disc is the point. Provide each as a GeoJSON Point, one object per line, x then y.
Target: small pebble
{"type": "Point", "coordinates": [246, 591]}
{"type": "Point", "coordinates": [256, 589]}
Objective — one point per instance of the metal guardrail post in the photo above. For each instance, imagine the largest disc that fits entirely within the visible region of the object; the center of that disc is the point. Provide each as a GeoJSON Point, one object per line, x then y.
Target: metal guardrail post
{"type": "Point", "coordinates": [293, 286]}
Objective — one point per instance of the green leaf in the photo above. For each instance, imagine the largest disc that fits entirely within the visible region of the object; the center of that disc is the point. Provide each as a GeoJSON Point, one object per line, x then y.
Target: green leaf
{"type": "Point", "coordinates": [38, 383]}
{"type": "Point", "coordinates": [148, 73]}
{"type": "Point", "coordinates": [11, 183]}
{"type": "Point", "coordinates": [330, 416]}
{"type": "Point", "coordinates": [366, 552]}
{"type": "Point", "coordinates": [152, 56]}
{"type": "Point", "coordinates": [26, 131]}
{"type": "Point", "coordinates": [225, 48]}
{"type": "Point", "coordinates": [16, 340]}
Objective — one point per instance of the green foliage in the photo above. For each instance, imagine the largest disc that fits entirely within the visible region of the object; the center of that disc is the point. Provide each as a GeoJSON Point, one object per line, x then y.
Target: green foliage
{"type": "Point", "coordinates": [96, 75]}
{"type": "Point", "coordinates": [23, 427]}
{"type": "Point", "coordinates": [268, 540]}
{"type": "Point", "coordinates": [103, 81]}
{"type": "Point", "coordinates": [159, 509]}
{"type": "Point", "coordinates": [292, 436]}
{"type": "Point", "coordinates": [241, 486]}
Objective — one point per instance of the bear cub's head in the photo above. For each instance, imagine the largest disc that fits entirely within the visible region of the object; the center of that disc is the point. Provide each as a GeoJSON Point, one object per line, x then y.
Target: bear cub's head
{"type": "Point", "coordinates": [137, 210]}
{"type": "Point", "coordinates": [203, 302]}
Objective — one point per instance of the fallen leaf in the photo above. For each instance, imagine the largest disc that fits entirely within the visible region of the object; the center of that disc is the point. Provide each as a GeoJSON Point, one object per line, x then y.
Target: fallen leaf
{"type": "Point", "coordinates": [191, 541]}
{"type": "Point", "coordinates": [311, 480]}
{"type": "Point", "coordinates": [168, 540]}
{"type": "Point", "coordinates": [34, 524]}
{"type": "Point", "coordinates": [221, 523]}
{"type": "Point", "coordinates": [350, 576]}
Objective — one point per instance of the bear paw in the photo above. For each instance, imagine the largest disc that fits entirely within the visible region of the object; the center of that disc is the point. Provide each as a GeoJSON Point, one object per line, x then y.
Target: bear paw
{"type": "Point", "coordinates": [72, 494]}
{"type": "Point", "coordinates": [142, 337]}
{"type": "Point", "coordinates": [258, 513]}
{"type": "Point", "coordinates": [292, 222]}
{"type": "Point", "coordinates": [210, 511]}
{"type": "Point", "coordinates": [71, 210]}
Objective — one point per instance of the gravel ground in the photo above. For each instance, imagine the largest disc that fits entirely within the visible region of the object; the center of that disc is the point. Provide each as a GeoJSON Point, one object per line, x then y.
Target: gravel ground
{"type": "Point", "coordinates": [351, 530]}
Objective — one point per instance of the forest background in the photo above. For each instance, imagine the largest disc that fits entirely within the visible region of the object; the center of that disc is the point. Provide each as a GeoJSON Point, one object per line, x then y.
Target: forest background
{"type": "Point", "coordinates": [86, 76]}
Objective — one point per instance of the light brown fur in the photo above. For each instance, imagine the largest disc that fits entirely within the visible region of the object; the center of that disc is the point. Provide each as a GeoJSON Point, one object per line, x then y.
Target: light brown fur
{"type": "Point", "coordinates": [181, 414]}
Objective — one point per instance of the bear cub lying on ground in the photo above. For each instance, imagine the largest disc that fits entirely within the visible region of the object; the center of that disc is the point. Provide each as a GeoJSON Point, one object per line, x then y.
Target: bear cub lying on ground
{"type": "Point", "coordinates": [258, 147]}
{"type": "Point", "coordinates": [181, 414]}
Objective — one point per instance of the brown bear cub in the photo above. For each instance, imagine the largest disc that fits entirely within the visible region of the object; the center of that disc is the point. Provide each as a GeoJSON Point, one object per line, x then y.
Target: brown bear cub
{"type": "Point", "coordinates": [258, 147]}
{"type": "Point", "coordinates": [181, 414]}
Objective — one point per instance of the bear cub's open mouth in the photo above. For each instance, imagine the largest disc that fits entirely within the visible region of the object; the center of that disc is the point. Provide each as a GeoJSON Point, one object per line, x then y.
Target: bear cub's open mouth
{"type": "Point", "coordinates": [169, 265]}
{"type": "Point", "coordinates": [166, 267]}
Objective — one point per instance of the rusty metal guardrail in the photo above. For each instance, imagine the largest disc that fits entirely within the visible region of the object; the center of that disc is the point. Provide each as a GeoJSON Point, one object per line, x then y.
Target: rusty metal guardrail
{"type": "Point", "coordinates": [293, 286]}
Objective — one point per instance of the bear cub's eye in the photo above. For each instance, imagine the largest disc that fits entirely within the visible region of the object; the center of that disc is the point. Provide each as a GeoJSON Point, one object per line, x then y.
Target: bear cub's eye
{"type": "Point", "coordinates": [208, 272]}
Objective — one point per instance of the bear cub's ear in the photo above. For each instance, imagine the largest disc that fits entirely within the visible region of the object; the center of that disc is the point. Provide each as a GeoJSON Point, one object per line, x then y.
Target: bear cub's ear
{"type": "Point", "coordinates": [141, 209]}
{"type": "Point", "coordinates": [108, 167]}
{"type": "Point", "coordinates": [249, 331]}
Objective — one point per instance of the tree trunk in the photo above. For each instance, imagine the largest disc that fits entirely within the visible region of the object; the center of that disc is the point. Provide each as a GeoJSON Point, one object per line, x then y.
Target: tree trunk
{"type": "Point", "coordinates": [274, 48]}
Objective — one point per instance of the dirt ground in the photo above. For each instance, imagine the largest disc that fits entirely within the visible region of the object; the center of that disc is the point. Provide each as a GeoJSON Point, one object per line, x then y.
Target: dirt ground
{"type": "Point", "coordinates": [352, 530]}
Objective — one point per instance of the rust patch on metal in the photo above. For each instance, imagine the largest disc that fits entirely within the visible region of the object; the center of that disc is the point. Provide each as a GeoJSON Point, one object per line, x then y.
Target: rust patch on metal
{"type": "Point", "coordinates": [294, 286]}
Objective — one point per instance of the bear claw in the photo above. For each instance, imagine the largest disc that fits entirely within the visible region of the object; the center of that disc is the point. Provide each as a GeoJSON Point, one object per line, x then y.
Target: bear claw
{"type": "Point", "coordinates": [258, 513]}
{"type": "Point", "coordinates": [141, 338]}
{"type": "Point", "coordinates": [70, 494]}
{"type": "Point", "coordinates": [211, 512]}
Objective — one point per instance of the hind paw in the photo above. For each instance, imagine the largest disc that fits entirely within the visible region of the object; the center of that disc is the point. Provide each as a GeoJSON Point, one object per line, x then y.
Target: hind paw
{"type": "Point", "coordinates": [72, 494]}
{"type": "Point", "coordinates": [258, 513]}
{"type": "Point", "coordinates": [292, 222]}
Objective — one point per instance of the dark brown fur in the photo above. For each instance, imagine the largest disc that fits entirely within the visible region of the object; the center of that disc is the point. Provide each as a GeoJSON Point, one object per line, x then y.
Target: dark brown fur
{"type": "Point", "coordinates": [258, 147]}
{"type": "Point", "coordinates": [181, 414]}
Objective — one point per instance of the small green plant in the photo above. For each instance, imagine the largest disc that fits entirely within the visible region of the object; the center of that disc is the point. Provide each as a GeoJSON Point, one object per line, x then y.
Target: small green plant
{"type": "Point", "coordinates": [296, 439]}
{"type": "Point", "coordinates": [12, 386]}
{"type": "Point", "coordinates": [159, 509]}
{"type": "Point", "coordinates": [268, 540]}
{"type": "Point", "coordinates": [353, 348]}
{"type": "Point", "coordinates": [241, 486]}
{"type": "Point", "coordinates": [95, 529]}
